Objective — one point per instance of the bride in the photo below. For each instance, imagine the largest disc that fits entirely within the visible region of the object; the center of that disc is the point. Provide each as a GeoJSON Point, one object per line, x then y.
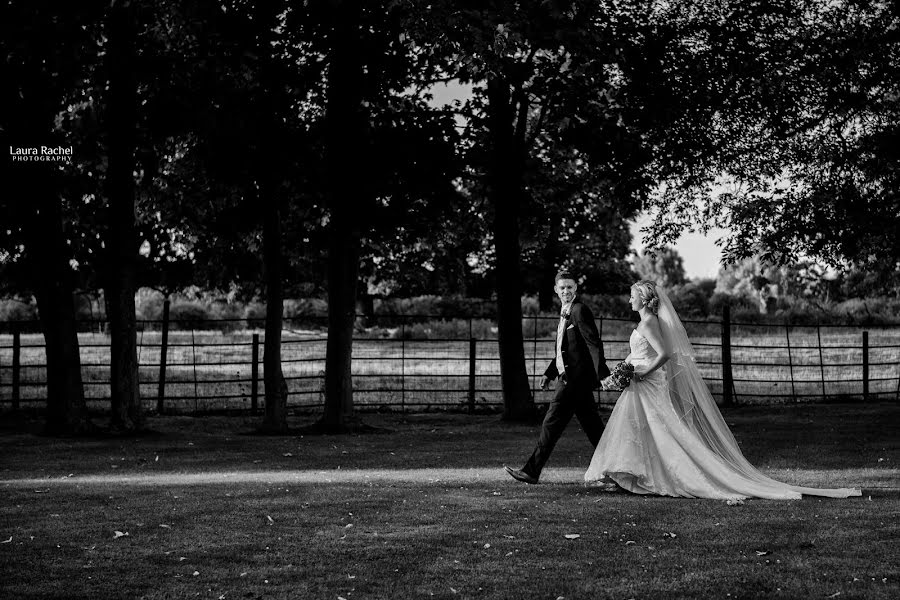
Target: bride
{"type": "Point", "coordinates": [666, 435]}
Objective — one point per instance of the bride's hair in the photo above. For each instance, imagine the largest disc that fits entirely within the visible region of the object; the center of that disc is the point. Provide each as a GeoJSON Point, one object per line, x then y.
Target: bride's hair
{"type": "Point", "coordinates": [647, 290]}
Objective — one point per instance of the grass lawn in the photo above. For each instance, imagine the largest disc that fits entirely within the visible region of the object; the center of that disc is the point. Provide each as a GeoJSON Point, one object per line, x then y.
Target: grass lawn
{"type": "Point", "coordinates": [204, 510]}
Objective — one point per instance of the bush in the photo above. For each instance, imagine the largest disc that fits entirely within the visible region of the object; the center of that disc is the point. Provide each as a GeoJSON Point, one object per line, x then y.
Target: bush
{"type": "Point", "coordinates": [222, 309]}
{"type": "Point", "coordinates": [446, 329]}
{"type": "Point", "coordinates": [255, 315]}
{"type": "Point", "coordinates": [89, 307]}
{"type": "Point", "coordinates": [306, 312]}
{"type": "Point", "coordinates": [868, 310]}
{"type": "Point", "coordinates": [187, 315]}
{"type": "Point", "coordinates": [608, 305]}
{"type": "Point", "coordinates": [305, 307]}
{"type": "Point", "coordinates": [17, 310]}
{"type": "Point", "coordinates": [690, 300]}
{"type": "Point", "coordinates": [530, 306]}
{"type": "Point", "coordinates": [148, 305]}
{"type": "Point", "coordinates": [738, 304]}
{"type": "Point", "coordinates": [421, 309]}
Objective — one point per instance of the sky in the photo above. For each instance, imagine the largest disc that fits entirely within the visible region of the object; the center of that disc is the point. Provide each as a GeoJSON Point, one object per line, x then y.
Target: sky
{"type": "Point", "coordinates": [700, 254]}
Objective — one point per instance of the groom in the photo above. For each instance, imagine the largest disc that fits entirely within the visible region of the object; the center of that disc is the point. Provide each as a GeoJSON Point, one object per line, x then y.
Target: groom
{"type": "Point", "coordinates": [579, 365]}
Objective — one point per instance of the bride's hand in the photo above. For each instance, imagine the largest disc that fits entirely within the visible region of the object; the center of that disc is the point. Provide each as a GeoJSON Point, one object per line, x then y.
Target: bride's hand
{"type": "Point", "coordinates": [639, 374]}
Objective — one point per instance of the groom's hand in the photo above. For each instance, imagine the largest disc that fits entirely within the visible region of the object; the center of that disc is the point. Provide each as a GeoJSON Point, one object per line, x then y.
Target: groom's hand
{"type": "Point", "coordinates": [545, 381]}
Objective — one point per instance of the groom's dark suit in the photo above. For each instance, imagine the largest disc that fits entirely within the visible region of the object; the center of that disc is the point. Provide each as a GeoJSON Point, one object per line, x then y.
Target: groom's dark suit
{"type": "Point", "coordinates": [584, 367]}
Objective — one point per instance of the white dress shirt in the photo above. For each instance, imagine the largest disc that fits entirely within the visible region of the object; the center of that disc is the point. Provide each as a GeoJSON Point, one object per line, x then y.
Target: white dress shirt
{"type": "Point", "coordinates": [560, 332]}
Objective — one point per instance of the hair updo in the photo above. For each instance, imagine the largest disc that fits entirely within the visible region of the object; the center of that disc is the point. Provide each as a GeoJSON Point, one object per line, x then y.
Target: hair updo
{"type": "Point", "coordinates": [649, 296]}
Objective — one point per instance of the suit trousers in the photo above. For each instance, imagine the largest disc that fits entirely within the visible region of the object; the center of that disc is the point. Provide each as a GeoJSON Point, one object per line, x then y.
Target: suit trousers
{"type": "Point", "coordinates": [573, 399]}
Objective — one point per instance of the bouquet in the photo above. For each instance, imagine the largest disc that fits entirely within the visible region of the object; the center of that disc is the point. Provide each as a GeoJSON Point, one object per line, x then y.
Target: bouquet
{"type": "Point", "coordinates": [619, 378]}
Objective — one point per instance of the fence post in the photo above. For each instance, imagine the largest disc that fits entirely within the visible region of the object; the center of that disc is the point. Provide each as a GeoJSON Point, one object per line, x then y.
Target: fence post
{"type": "Point", "coordinates": [473, 349]}
{"type": "Point", "coordinates": [163, 352]}
{"type": "Point", "coordinates": [727, 376]}
{"type": "Point", "coordinates": [534, 357]}
{"type": "Point", "coordinates": [16, 366]}
{"type": "Point", "coordinates": [865, 349]}
{"type": "Point", "coordinates": [787, 335]}
{"type": "Point", "coordinates": [403, 365]}
{"type": "Point", "coordinates": [821, 359]}
{"type": "Point", "coordinates": [254, 374]}
{"type": "Point", "coordinates": [194, 363]}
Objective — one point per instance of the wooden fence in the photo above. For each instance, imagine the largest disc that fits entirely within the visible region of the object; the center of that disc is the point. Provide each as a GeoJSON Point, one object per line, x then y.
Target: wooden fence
{"type": "Point", "coordinates": [209, 366]}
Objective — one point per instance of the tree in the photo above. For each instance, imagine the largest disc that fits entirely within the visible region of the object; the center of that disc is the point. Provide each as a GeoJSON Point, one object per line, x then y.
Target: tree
{"type": "Point", "coordinates": [271, 104]}
{"type": "Point", "coordinates": [809, 141]}
{"type": "Point", "coordinates": [121, 236]}
{"type": "Point", "coordinates": [346, 145]}
{"type": "Point", "coordinates": [38, 79]}
{"type": "Point", "coordinates": [664, 266]}
{"type": "Point", "coordinates": [516, 55]}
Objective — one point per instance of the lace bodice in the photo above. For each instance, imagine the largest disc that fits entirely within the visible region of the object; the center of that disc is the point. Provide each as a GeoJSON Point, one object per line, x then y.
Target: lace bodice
{"type": "Point", "coordinates": [641, 350]}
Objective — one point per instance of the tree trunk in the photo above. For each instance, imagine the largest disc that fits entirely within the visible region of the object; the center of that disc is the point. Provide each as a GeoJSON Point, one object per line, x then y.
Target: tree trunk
{"type": "Point", "coordinates": [121, 239]}
{"type": "Point", "coordinates": [66, 409]}
{"type": "Point", "coordinates": [343, 270]}
{"type": "Point", "coordinates": [269, 168]}
{"type": "Point", "coordinates": [275, 420]}
{"type": "Point", "coordinates": [348, 197]}
{"type": "Point", "coordinates": [505, 193]}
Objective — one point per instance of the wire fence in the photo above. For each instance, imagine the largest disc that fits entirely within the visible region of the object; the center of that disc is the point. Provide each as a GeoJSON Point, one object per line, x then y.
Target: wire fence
{"type": "Point", "coordinates": [421, 362]}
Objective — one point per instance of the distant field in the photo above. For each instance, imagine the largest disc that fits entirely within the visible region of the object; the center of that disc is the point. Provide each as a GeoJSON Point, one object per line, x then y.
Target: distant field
{"type": "Point", "coordinates": [211, 370]}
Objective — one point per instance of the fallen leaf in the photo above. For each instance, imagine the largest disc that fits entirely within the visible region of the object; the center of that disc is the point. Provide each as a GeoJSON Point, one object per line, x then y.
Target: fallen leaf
{"type": "Point", "coordinates": [42, 491]}
{"type": "Point", "coordinates": [762, 552]}
{"type": "Point", "coordinates": [6, 541]}
{"type": "Point", "coordinates": [287, 454]}
{"type": "Point", "coordinates": [196, 573]}
{"type": "Point", "coordinates": [629, 542]}
{"type": "Point", "coordinates": [572, 536]}
{"type": "Point", "coordinates": [163, 525]}
{"type": "Point", "coordinates": [834, 595]}
{"type": "Point", "coordinates": [452, 589]}
{"type": "Point", "coordinates": [271, 520]}
{"type": "Point", "coordinates": [487, 545]}
{"type": "Point", "coordinates": [118, 534]}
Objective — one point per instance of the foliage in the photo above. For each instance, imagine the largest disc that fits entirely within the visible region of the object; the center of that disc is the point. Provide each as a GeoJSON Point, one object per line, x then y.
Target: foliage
{"type": "Point", "coordinates": [664, 266]}
{"type": "Point", "coordinates": [809, 142]}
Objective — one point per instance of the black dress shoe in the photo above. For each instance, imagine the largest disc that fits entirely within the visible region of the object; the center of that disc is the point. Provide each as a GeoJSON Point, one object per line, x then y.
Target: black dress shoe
{"type": "Point", "coordinates": [520, 475]}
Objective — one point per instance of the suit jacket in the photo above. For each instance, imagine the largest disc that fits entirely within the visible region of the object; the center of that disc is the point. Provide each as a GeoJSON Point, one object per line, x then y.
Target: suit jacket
{"type": "Point", "coordinates": [582, 350]}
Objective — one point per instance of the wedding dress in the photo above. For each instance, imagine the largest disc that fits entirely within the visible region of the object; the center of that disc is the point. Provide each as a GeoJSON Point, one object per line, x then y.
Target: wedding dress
{"type": "Point", "coordinates": [666, 435]}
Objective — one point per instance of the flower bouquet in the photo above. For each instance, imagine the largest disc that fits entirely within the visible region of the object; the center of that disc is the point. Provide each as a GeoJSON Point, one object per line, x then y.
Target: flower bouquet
{"type": "Point", "coordinates": [620, 377]}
